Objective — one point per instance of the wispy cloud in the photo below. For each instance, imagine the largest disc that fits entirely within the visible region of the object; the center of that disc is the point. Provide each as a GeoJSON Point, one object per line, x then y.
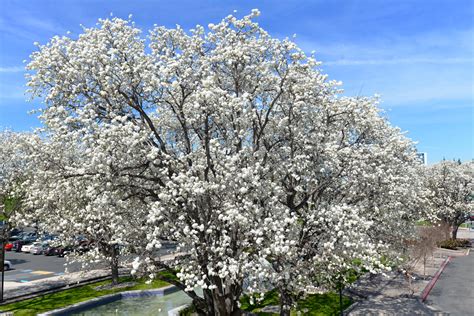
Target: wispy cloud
{"type": "Point", "coordinates": [27, 26]}
{"type": "Point", "coordinates": [397, 61]}
{"type": "Point", "coordinates": [12, 69]}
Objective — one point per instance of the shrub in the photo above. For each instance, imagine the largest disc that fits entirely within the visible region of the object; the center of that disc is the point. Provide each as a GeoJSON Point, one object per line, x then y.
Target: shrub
{"type": "Point", "coordinates": [454, 243]}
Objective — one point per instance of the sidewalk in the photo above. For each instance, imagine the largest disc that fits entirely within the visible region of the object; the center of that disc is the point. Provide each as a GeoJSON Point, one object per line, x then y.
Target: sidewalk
{"type": "Point", "coordinates": [454, 291]}
{"type": "Point", "coordinates": [14, 289]}
{"type": "Point", "coordinates": [392, 295]}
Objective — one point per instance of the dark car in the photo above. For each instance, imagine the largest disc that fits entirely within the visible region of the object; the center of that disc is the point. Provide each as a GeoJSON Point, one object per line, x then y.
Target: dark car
{"type": "Point", "coordinates": [51, 251]}
{"type": "Point", "coordinates": [15, 234]}
{"type": "Point", "coordinates": [63, 250]}
{"type": "Point", "coordinates": [83, 246]}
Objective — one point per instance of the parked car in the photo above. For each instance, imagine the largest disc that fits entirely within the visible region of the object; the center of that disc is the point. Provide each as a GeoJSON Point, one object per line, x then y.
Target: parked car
{"type": "Point", "coordinates": [63, 250]}
{"type": "Point", "coordinates": [26, 248]}
{"type": "Point", "coordinates": [16, 236]}
{"type": "Point", "coordinates": [83, 246]}
{"type": "Point", "coordinates": [37, 248]}
{"type": "Point", "coordinates": [50, 251]}
{"type": "Point", "coordinates": [8, 246]}
{"type": "Point", "coordinates": [7, 265]}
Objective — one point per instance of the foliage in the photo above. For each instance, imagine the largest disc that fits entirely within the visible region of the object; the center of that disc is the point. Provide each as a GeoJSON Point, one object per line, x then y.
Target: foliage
{"type": "Point", "coordinates": [226, 141]}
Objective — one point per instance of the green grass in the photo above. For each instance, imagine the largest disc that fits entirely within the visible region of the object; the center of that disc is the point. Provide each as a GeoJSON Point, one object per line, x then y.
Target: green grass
{"type": "Point", "coordinates": [73, 296]}
{"type": "Point", "coordinates": [270, 298]}
{"type": "Point", "coordinates": [321, 304]}
{"type": "Point", "coordinates": [312, 304]}
{"type": "Point", "coordinates": [424, 223]}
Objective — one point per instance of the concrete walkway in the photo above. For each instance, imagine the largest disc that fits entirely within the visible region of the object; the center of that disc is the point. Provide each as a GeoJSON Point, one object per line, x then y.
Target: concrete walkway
{"type": "Point", "coordinates": [454, 291]}
{"type": "Point", "coordinates": [14, 289]}
{"type": "Point", "coordinates": [392, 295]}
{"type": "Point", "coordinates": [389, 295]}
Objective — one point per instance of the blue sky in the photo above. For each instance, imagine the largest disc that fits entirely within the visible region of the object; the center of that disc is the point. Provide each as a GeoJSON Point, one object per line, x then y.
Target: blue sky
{"type": "Point", "coordinates": [418, 55]}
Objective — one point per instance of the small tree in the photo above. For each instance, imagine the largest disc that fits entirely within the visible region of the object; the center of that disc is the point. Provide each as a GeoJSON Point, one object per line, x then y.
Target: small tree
{"type": "Point", "coordinates": [425, 244]}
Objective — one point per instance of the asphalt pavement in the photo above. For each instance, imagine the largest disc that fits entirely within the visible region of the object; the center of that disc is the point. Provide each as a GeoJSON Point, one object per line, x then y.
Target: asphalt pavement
{"type": "Point", "coordinates": [28, 267]}
{"type": "Point", "coordinates": [454, 290]}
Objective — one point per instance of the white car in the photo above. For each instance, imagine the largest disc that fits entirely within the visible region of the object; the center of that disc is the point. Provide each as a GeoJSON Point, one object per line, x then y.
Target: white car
{"type": "Point", "coordinates": [7, 265]}
{"type": "Point", "coordinates": [27, 248]}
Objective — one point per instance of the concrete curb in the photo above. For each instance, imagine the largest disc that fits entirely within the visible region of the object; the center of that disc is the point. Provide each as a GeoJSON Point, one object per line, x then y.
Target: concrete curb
{"type": "Point", "coordinates": [350, 308]}
{"type": "Point", "coordinates": [433, 281]}
{"type": "Point", "coordinates": [175, 311]}
{"type": "Point", "coordinates": [82, 306]}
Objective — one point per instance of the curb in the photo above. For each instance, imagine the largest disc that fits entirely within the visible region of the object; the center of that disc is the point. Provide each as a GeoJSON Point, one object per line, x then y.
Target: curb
{"type": "Point", "coordinates": [433, 281]}
{"type": "Point", "coordinates": [175, 311]}
{"type": "Point", "coordinates": [98, 301]}
{"type": "Point", "coordinates": [350, 308]}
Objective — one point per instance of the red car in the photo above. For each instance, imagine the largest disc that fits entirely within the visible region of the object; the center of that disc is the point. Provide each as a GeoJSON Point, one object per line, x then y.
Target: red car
{"type": "Point", "coordinates": [9, 246]}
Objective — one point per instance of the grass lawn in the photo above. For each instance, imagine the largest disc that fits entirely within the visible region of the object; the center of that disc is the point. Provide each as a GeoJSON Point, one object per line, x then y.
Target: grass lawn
{"type": "Point", "coordinates": [326, 304]}
{"type": "Point", "coordinates": [312, 304]}
{"type": "Point", "coordinates": [424, 223]}
{"type": "Point", "coordinates": [72, 296]}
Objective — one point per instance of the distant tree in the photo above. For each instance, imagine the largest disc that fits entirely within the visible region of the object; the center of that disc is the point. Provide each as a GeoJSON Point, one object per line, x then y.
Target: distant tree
{"type": "Point", "coordinates": [75, 196]}
{"type": "Point", "coordinates": [12, 173]}
{"type": "Point", "coordinates": [451, 185]}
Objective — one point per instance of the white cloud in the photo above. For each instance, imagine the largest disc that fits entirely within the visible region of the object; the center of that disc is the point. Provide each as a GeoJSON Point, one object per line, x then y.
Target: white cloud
{"type": "Point", "coordinates": [397, 61]}
{"type": "Point", "coordinates": [12, 69]}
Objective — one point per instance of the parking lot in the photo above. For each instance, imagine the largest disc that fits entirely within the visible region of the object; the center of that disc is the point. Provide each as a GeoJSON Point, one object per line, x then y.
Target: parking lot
{"type": "Point", "coordinates": [28, 267]}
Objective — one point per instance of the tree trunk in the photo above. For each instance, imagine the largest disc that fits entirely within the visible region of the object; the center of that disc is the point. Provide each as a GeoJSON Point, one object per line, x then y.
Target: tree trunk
{"type": "Point", "coordinates": [454, 232]}
{"type": "Point", "coordinates": [286, 301]}
{"type": "Point", "coordinates": [225, 299]}
{"type": "Point", "coordinates": [114, 264]}
{"type": "Point", "coordinates": [3, 268]}
{"type": "Point", "coordinates": [341, 308]}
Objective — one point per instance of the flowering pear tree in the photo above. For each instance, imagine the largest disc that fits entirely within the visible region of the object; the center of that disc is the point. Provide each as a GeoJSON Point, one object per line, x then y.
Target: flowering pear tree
{"type": "Point", "coordinates": [12, 172]}
{"type": "Point", "coordinates": [350, 176]}
{"type": "Point", "coordinates": [71, 189]}
{"type": "Point", "coordinates": [231, 143]}
{"type": "Point", "coordinates": [452, 187]}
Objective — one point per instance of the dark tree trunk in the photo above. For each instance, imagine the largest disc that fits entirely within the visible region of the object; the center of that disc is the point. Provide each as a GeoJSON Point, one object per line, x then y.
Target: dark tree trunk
{"type": "Point", "coordinates": [114, 264]}
{"type": "Point", "coordinates": [3, 269]}
{"type": "Point", "coordinates": [341, 307]}
{"type": "Point", "coordinates": [454, 232]}
{"type": "Point", "coordinates": [225, 299]}
{"type": "Point", "coordinates": [286, 301]}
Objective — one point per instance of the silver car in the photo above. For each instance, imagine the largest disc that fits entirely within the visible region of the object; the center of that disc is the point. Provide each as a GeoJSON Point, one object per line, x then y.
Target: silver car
{"type": "Point", "coordinates": [7, 265]}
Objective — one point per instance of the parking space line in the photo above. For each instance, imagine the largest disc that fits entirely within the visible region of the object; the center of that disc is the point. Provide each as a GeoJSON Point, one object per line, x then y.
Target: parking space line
{"type": "Point", "coordinates": [42, 272]}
